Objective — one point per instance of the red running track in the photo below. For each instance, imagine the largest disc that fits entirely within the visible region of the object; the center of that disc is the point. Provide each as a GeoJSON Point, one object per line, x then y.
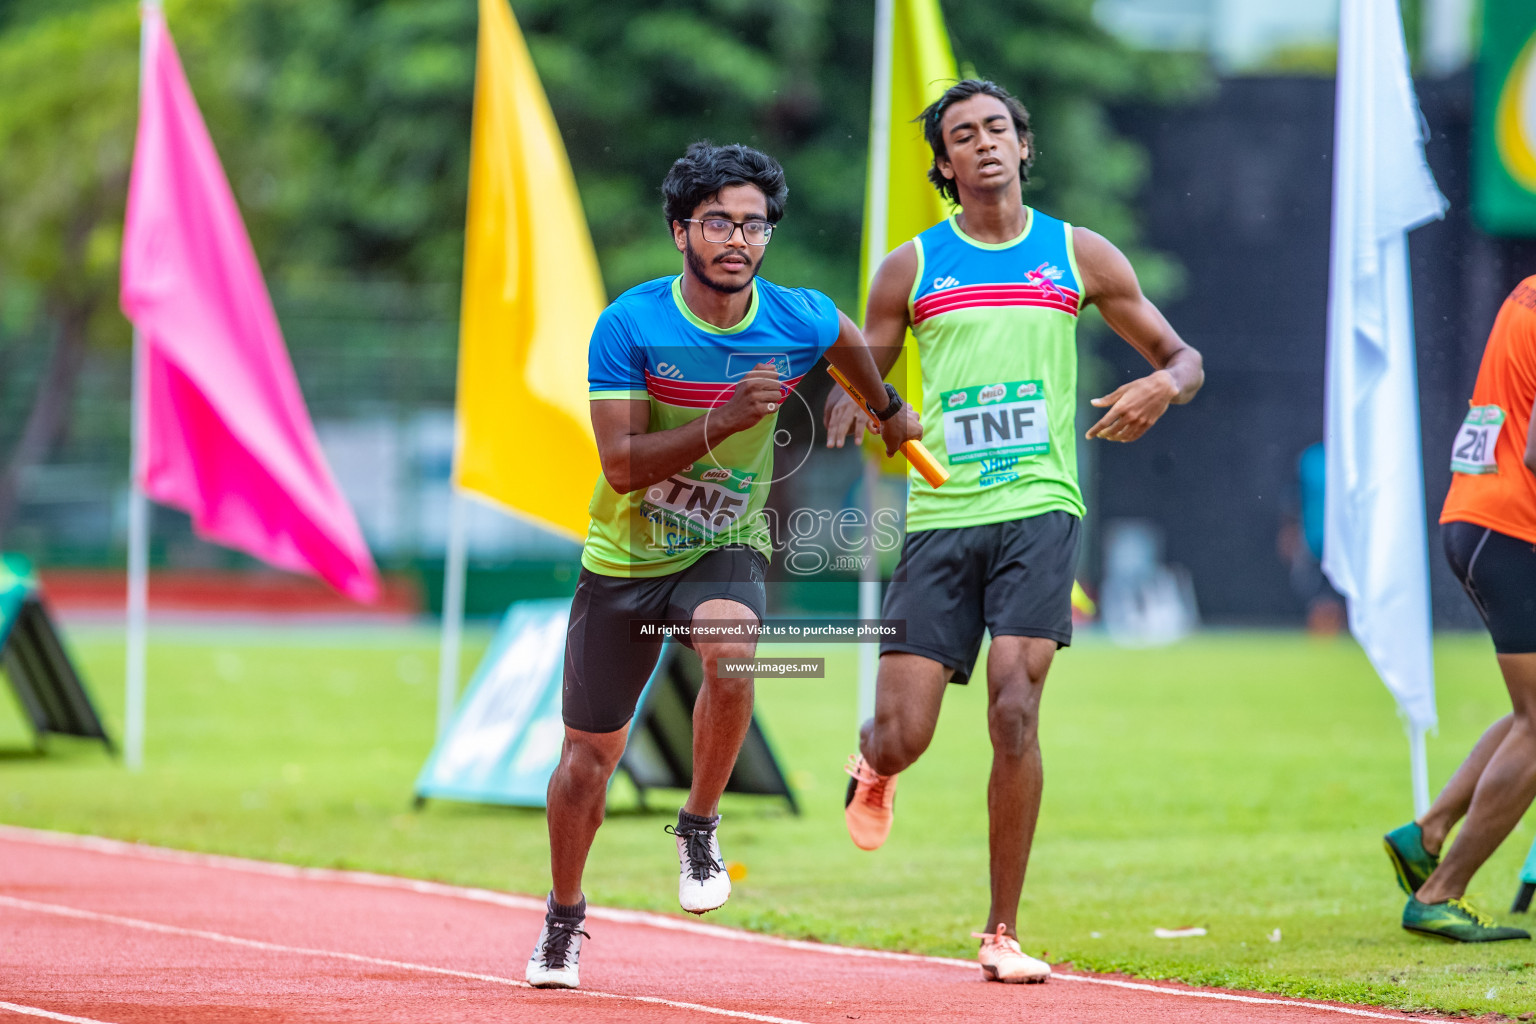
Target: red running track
{"type": "Point", "coordinates": [102, 932]}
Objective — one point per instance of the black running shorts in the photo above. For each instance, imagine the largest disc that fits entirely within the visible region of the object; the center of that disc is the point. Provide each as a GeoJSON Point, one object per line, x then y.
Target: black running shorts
{"type": "Point", "coordinates": [605, 667]}
{"type": "Point", "coordinates": [1012, 579]}
{"type": "Point", "coordinates": [1498, 573]}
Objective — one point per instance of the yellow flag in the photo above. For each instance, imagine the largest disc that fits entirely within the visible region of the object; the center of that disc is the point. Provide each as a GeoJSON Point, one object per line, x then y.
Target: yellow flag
{"type": "Point", "coordinates": [899, 201]}
{"type": "Point", "coordinates": [532, 293]}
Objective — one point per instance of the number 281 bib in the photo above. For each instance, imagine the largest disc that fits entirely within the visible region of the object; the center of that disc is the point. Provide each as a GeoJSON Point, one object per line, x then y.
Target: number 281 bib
{"type": "Point", "coordinates": [989, 421]}
{"type": "Point", "coordinates": [1475, 441]}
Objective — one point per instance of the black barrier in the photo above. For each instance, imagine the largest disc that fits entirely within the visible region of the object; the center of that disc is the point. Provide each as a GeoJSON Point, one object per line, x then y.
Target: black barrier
{"type": "Point", "coordinates": [1527, 883]}
{"type": "Point", "coordinates": [659, 754]}
{"type": "Point", "coordinates": [44, 680]}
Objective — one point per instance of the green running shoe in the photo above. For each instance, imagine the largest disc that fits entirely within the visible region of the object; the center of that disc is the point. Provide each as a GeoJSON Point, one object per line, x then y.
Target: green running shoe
{"type": "Point", "coordinates": [1456, 921]}
{"type": "Point", "coordinates": [1413, 863]}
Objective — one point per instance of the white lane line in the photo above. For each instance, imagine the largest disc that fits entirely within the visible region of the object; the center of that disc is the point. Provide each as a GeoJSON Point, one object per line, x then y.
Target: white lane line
{"type": "Point", "coordinates": [1233, 997]}
{"type": "Point", "coordinates": [116, 847]}
{"type": "Point", "coordinates": [32, 1011]}
{"type": "Point", "coordinates": [60, 910]}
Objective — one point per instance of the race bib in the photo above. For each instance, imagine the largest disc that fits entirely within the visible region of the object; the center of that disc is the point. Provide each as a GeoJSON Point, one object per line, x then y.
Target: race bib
{"type": "Point", "coordinates": [696, 504]}
{"type": "Point", "coordinates": [990, 421]}
{"type": "Point", "coordinates": [1475, 441]}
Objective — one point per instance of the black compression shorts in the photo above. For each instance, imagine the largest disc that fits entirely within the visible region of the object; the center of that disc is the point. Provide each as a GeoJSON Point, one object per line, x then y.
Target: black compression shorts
{"type": "Point", "coordinates": [1011, 579]}
{"type": "Point", "coordinates": [606, 667]}
{"type": "Point", "coordinates": [1498, 573]}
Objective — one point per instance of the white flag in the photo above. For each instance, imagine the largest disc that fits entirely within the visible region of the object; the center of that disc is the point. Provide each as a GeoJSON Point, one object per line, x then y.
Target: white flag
{"type": "Point", "coordinates": [1375, 549]}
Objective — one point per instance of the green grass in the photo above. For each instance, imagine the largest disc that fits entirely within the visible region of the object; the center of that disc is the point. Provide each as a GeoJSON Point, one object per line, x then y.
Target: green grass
{"type": "Point", "coordinates": [1238, 781]}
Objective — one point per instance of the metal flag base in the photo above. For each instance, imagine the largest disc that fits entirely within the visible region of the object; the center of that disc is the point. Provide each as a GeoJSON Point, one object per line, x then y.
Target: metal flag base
{"type": "Point", "coordinates": [1527, 883]}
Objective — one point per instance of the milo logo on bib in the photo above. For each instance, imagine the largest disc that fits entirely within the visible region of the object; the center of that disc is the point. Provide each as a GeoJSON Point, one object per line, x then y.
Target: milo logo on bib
{"type": "Point", "coordinates": [987, 422]}
{"type": "Point", "coordinates": [693, 506]}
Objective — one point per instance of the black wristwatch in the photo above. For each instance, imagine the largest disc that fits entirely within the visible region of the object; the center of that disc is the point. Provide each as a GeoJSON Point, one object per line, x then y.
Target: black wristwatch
{"type": "Point", "coordinates": [890, 410]}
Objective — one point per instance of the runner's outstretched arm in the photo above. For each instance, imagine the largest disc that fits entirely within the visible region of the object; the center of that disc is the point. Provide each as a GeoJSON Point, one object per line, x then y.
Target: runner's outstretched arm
{"type": "Point", "coordinates": [851, 357]}
{"type": "Point", "coordinates": [885, 331]}
{"type": "Point", "coordinates": [1110, 283]}
{"type": "Point", "coordinates": [633, 458]}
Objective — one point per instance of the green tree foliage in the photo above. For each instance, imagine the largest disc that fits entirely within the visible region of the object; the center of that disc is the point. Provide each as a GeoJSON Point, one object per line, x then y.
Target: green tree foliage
{"type": "Point", "coordinates": [1069, 72]}
{"type": "Point", "coordinates": [793, 77]}
{"type": "Point", "coordinates": [66, 129]}
{"type": "Point", "coordinates": [344, 127]}
{"type": "Point", "coordinates": [66, 135]}
{"type": "Point", "coordinates": [360, 117]}
{"type": "Point", "coordinates": [631, 92]}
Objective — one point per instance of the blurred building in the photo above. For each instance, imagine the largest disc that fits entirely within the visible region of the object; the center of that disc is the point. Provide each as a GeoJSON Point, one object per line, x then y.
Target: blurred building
{"type": "Point", "coordinates": [1243, 37]}
{"type": "Point", "coordinates": [1240, 192]}
{"type": "Point", "coordinates": [1238, 34]}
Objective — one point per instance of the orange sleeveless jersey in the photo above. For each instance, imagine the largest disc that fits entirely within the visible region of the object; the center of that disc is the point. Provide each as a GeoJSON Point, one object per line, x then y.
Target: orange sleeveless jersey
{"type": "Point", "coordinates": [1505, 500]}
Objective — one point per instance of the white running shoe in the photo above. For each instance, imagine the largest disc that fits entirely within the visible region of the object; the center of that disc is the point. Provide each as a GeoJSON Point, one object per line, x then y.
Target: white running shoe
{"type": "Point", "coordinates": [702, 882]}
{"type": "Point", "coordinates": [554, 963]}
{"type": "Point", "coordinates": [1002, 960]}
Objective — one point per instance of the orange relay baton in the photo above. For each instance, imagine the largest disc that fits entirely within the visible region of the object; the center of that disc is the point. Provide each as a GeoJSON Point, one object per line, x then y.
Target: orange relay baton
{"type": "Point", "coordinates": [916, 454]}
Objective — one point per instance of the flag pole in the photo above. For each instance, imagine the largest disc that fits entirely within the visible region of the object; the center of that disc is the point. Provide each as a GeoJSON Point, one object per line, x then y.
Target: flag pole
{"type": "Point", "coordinates": [138, 518]}
{"type": "Point", "coordinates": [1382, 189]}
{"type": "Point", "coordinates": [869, 596]}
{"type": "Point", "coordinates": [1419, 763]}
{"type": "Point", "coordinates": [879, 201]}
{"type": "Point", "coordinates": [880, 135]}
{"type": "Point", "coordinates": [454, 574]}
{"type": "Point", "coordinates": [138, 569]}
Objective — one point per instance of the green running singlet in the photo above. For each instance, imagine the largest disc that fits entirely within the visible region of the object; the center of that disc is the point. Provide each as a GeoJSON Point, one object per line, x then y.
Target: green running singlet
{"type": "Point", "coordinates": [996, 330]}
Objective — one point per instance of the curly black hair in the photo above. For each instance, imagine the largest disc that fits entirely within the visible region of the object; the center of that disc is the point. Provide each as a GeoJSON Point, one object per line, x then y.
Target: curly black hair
{"type": "Point", "coordinates": [707, 168]}
{"type": "Point", "coordinates": [933, 116]}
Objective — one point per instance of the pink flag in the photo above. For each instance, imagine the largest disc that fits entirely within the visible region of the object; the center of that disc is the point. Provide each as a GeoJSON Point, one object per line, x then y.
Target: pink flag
{"type": "Point", "coordinates": [226, 434]}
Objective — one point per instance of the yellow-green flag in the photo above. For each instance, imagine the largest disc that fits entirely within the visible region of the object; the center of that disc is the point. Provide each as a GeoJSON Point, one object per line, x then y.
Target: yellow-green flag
{"type": "Point", "coordinates": [913, 66]}
{"type": "Point", "coordinates": [532, 292]}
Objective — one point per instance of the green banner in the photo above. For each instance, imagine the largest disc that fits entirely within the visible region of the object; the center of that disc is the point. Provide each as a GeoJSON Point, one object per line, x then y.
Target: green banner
{"type": "Point", "coordinates": [1504, 136]}
{"type": "Point", "coordinates": [16, 583]}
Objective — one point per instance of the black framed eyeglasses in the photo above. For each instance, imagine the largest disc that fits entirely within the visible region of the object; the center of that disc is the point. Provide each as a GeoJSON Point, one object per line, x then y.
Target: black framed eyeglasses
{"type": "Point", "coordinates": [719, 229]}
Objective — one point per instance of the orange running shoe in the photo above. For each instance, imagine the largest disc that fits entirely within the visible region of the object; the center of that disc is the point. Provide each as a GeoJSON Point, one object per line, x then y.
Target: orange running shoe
{"type": "Point", "coordinates": [869, 806]}
{"type": "Point", "coordinates": [1002, 959]}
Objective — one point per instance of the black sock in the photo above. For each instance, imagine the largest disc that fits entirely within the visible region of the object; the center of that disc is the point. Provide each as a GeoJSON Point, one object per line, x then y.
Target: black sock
{"type": "Point", "coordinates": [567, 912]}
{"type": "Point", "coordinates": [694, 821]}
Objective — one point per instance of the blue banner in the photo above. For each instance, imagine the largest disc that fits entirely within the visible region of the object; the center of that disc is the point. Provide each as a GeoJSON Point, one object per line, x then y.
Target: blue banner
{"type": "Point", "coordinates": [504, 740]}
{"type": "Point", "coordinates": [17, 583]}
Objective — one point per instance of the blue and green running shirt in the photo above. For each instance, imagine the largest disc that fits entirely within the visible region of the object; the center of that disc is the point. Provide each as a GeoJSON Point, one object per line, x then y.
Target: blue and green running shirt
{"type": "Point", "coordinates": [996, 330]}
{"type": "Point", "coordinates": [649, 345]}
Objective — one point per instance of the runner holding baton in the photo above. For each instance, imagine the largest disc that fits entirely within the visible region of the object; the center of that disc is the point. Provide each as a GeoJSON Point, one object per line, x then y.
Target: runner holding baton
{"type": "Point", "coordinates": [920, 457]}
